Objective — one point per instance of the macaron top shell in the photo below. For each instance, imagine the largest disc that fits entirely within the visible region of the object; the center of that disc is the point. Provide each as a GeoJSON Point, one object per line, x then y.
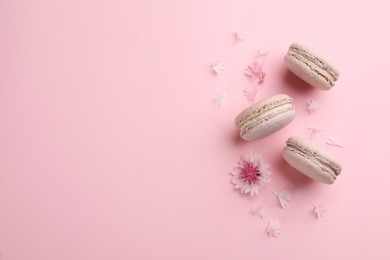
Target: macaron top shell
{"type": "Point", "coordinates": [261, 107]}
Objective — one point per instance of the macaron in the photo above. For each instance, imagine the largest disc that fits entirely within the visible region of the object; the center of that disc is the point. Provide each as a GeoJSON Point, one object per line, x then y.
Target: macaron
{"type": "Point", "coordinates": [311, 160]}
{"type": "Point", "coordinates": [265, 117]}
{"type": "Point", "coordinates": [311, 66]}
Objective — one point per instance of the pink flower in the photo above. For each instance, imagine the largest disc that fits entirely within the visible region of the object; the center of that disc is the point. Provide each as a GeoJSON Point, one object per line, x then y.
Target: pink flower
{"type": "Point", "coordinates": [251, 174]}
{"type": "Point", "coordinates": [255, 71]}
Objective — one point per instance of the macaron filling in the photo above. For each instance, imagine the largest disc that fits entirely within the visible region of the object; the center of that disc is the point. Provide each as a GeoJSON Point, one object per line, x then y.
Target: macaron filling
{"type": "Point", "coordinates": [322, 162]}
{"type": "Point", "coordinates": [272, 111]}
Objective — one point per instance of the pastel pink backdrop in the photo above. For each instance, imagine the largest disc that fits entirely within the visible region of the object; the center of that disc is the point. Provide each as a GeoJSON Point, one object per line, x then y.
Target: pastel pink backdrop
{"type": "Point", "coordinates": [111, 147]}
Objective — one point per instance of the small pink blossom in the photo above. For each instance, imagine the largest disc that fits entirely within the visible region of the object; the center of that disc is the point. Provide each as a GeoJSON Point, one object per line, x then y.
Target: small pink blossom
{"type": "Point", "coordinates": [250, 174]}
{"type": "Point", "coordinates": [255, 71]}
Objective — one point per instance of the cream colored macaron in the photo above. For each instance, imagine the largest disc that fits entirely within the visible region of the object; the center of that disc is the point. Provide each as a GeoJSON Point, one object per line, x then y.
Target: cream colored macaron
{"type": "Point", "coordinates": [311, 160]}
{"type": "Point", "coordinates": [265, 117]}
{"type": "Point", "coordinates": [311, 66]}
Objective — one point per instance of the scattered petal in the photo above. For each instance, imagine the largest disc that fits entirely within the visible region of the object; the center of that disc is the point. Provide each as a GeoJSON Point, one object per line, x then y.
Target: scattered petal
{"type": "Point", "coordinates": [255, 71]}
{"type": "Point", "coordinates": [251, 92]}
{"type": "Point", "coordinates": [312, 106]}
{"type": "Point", "coordinates": [274, 228]}
{"type": "Point", "coordinates": [217, 67]}
{"type": "Point", "coordinates": [320, 210]}
{"type": "Point", "coordinates": [283, 197]}
{"type": "Point", "coordinates": [251, 174]}
{"type": "Point", "coordinates": [314, 130]}
{"type": "Point", "coordinates": [261, 53]}
{"type": "Point", "coordinates": [333, 141]}
{"type": "Point", "coordinates": [259, 211]}
{"type": "Point", "coordinates": [220, 98]}
{"type": "Point", "coordinates": [238, 36]}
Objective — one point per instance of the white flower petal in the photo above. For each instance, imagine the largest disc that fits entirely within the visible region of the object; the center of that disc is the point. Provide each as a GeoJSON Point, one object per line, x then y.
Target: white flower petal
{"type": "Point", "coordinates": [238, 184]}
{"type": "Point", "coordinates": [312, 106]}
{"type": "Point", "coordinates": [252, 157]}
{"type": "Point", "coordinates": [264, 168]}
{"type": "Point", "coordinates": [239, 36]}
{"type": "Point", "coordinates": [261, 52]}
{"type": "Point", "coordinates": [283, 197]}
{"type": "Point", "coordinates": [334, 141]}
{"type": "Point", "coordinates": [274, 228]}
{"type": "Point", "coordinates": [255, 189]}
{"type": "Point", "coordinates": [320, 210]}
{"type": "Point", "coordinates": [314, 130]}
{"type": "Point", "coordinates": [259, 211]}
{"type": "Point", "coordinates": [235, 180]}
{"type": "Point", "coordinates": [217, 67]}
{"type": "Point", "coordinates": [265, 178]}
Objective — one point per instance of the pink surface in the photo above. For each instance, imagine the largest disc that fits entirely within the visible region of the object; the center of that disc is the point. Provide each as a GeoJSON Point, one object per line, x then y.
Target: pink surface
{"type": "Point", "coordinates": [112, 149]}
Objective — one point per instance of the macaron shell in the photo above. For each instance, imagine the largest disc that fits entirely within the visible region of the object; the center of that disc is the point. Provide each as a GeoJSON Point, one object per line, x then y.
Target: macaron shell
{"type": "Point", "coordinates": [301, 70]}
{"type": "Point", "coordinates": [269, 126]}
{"type": "Point", "coordinates": [308, 167]}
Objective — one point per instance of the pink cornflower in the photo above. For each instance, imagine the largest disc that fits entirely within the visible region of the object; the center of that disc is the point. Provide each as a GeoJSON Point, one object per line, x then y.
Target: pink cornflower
{"type": "Point", "coordinates": [250, 174]}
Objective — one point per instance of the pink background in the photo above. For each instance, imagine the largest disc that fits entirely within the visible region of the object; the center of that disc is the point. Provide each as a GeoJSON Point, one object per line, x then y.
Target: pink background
{"type": "Point", "coordinates": [111, 148]}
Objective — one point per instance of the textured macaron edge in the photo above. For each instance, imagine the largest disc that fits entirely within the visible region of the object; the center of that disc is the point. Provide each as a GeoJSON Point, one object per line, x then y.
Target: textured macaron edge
{"type": "Point", "coordinates": [261, 107]}
{"type": "Point", "coordinates": [313, 151]}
